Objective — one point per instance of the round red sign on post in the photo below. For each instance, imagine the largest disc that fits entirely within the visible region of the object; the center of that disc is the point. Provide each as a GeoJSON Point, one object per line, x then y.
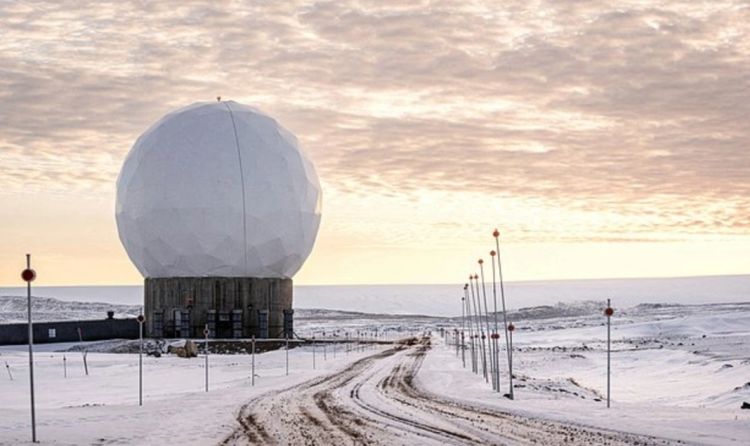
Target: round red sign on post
{"type": "Point", "coordinates": [28, 275]}
{"type": "Point", "coordinates": [496, 233]}
{"type": "Point", "coordinates": [495, 336]}
{"type": "Point", "coordinates": [511, 327]}
{"type": "Point", "coordinates": [141, 319]}
{"type": "Point", "coordinates": [205, 332]}
{"type": "Point", "coordinates": [609, 312]}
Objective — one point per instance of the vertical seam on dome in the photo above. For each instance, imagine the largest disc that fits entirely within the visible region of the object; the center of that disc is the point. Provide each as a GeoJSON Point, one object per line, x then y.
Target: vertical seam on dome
{"type": "Point", "coordinates": [242, 179]}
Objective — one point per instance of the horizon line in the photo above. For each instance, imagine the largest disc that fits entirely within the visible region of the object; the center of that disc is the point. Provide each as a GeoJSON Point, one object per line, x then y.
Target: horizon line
{"type": "Point", "coordinates": [458, 283]}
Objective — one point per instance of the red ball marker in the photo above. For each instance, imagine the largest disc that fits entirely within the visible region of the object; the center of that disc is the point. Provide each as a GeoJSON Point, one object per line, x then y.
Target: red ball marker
{"type": "Point", "coordinates": [511, 327]}
{"type": "Point", "coordinates": [496, 233]}
{"type": "Point", "coordinates": [28, 275]}
{"type": "Point", "coordinates": [609, 312]}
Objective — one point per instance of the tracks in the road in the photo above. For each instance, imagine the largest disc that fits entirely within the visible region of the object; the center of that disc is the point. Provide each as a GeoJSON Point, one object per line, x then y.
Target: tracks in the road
{"type": "Point", "coordinates": [375, 401]}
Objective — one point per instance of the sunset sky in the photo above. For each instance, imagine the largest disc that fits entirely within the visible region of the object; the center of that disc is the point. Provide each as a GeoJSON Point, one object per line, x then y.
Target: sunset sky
{"type": "Point", "coordinates": [604, 139]}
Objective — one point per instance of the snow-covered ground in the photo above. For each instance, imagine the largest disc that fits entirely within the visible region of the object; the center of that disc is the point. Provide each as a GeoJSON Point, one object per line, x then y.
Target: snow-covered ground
{"type": "Point", "coordinates": [102, 408]}
{"type": "Point", "coordinates": [679, 372]}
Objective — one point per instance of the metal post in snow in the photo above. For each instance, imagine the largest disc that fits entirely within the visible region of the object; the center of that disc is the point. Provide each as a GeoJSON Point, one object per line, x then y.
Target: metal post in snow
{"type": "Point", "coordinates": [29, 275]}
{"type": "Point", "coordinates": [497, 328]}
{"type": "Point", "coordinates": [463, 350]}
{"type": "Point", "coordinates": [205, 333]}
{"type": "Point", "coordinates": [480, 330]}
{"type": "Point", "coordinates": [313, 348]}
{"type": "Point", "coordinates": [496, 234]}
{"type": "Point", "coordinates": [140, 320]}
{"type": "Point", "coordinates": [287, 355]}
{"type": "Point", "coordinates": [463, 329]}
{"type": "Point", "coordinates": [487, 325]}
{"type": "Point", "coordinates": [7, 367]}
{"type": "Point", "coordinates": [473, 322]}
{"type": "Point", "coordinates": [455, 340]}
{"type": "Point", "coordinates": [511, 328]}
{"type": "Point", "coordinates": [608, 312]}
{"type": "Point", "coordinates": [471, 328]}
{"type": "Point", "coordinates": [252, 356]}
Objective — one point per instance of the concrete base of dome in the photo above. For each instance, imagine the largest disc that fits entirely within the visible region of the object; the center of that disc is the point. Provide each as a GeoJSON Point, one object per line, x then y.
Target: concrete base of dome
{"type": "Point", "coordinates": [231, 307]}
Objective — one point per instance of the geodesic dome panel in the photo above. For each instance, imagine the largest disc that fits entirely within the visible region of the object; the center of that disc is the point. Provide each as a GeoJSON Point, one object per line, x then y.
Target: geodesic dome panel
{"type": "Point", "coordinates": [217, 189]}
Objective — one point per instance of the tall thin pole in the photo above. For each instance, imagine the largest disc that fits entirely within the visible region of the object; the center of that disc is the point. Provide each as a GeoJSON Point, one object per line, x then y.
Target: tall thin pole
{"type": "Point", "coordinates": [511, 327]}
{"type": "Point", "coordinates": [463, 329]}
{"type": "Point", "coordinates": [609, 313]}
{"type": "Point", "coordinates": [287, 355]}
{"type": "Point", "coordinates": [497, 331]}
{"type": "Point", "coordinates": [496, 234]}
{"type": "Point", "coordinates": [475, 325]}
{"type": "Point", "coordinates": [471, 328]}
{"type": "Point", "coordinates": [252, 356]}
{"type": "Point", "coordinates": [140, 361]}
{"type": "Point", "coordinates": [205, 333]}
{"type": "Point", "coordinates": [487, 325]}
{"type": "Point", "coordinates": [28, 279]}
{"type": "Point", "coordinates": [477, 315]}
{"type": "Point", "coordinates": [313, 348]}
{"type": "Point", "coordinates": [479, 326]}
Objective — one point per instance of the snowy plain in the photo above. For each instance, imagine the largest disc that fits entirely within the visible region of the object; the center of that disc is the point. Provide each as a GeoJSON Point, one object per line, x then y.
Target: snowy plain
{"type": "Point", "coordinates": [680, 372]}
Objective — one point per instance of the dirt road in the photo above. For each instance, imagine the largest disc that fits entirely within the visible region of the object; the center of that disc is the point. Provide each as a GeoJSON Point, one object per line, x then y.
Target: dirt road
{"type": "Point", "coordinates": [375, 402]}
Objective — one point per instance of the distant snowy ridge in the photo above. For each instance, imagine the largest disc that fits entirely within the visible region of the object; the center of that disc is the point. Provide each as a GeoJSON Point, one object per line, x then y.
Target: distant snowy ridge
{"type": "Point", "coordinates": [322, 313]}
{"type": "Point", "coordinates": [13, 309]}
{"type": "Point", "coordinates": [561, 309]}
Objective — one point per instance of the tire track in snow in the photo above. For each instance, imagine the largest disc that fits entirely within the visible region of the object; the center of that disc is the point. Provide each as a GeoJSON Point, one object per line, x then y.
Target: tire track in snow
{"type": "Point", "coordinates": [375, 401]}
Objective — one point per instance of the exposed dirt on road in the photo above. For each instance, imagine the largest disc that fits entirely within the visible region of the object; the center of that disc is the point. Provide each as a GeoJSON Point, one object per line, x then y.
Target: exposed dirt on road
{"type": "Point", "coordinates": [375, 401]}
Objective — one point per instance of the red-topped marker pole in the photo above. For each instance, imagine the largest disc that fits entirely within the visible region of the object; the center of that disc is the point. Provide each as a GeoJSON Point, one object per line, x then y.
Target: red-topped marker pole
{"type": "Point", "coordinates": [205, 333]}
{"type": "Point", "coordinates": [474, 280]}
{"type": "Point", "coordinates": [490, 351]}
{"type": "Point", "coordinates": [470, 322]}
{"type": "Point", "coordinates": [141, 319]}
{"type": "Point", "coordinates": [511, 328]}
{"type": "Point", "coordinates": [497, 330]}
{"type": "Point", "coordinates": [496, 234]}
{"type": "Point", "coordinates": [608, 312]}
{"type": "Point", "coordinates": [28, 275]}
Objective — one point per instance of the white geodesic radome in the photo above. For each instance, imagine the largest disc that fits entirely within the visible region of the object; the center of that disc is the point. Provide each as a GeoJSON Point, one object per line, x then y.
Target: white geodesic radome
{"type": "Point", "coordinates": [217, 190]}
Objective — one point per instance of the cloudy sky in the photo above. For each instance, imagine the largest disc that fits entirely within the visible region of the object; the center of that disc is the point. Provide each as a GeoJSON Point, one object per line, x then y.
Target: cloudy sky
{"type": "Point", "coordinates": [604, 139]}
